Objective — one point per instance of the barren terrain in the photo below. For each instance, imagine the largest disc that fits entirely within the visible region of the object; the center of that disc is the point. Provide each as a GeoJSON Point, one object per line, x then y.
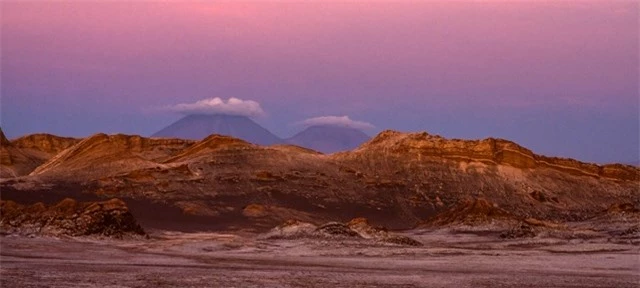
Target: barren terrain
{"type": "Point", "coordinates": [447, 259]}
{"type": "Point", "coordinates": [404, 210]}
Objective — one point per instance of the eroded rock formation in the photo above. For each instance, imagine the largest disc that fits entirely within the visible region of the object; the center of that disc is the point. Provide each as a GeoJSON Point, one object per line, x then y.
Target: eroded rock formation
{"type": "Point", "coordinates": [357, 228]}
{"type": "Point", "coordinates": [396, 180]}
{"type": "Point", "coordinates": [68, 217]}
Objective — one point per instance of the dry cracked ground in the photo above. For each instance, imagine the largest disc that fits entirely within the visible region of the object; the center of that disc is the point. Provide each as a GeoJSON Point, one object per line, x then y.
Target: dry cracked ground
{"type": "Point", "coordinates": [449, 258]}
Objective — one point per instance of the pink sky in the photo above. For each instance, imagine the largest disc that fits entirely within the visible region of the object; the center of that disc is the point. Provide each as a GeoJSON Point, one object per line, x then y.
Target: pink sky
{"type": "Point", "coordinates": [370, 60]}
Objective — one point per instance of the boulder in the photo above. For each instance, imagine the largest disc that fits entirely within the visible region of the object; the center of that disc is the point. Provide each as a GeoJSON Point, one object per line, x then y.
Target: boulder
{"type": "Point", "coordinates": [68, 217]}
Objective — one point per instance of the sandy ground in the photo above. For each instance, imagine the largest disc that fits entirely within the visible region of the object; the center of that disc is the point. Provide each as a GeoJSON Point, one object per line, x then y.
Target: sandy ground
{"type": "Point", "coordinates": [171, 259]}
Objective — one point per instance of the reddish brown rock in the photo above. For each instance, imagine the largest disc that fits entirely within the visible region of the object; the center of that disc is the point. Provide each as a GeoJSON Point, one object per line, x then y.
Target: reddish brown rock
{"type": "Point", "coordinates": [397, 180]}
{"type": "Point", "coordinates": [472, 212]}
{"type": "Point", "coordinates": [47, 143]}
{"type": "Point", "coordinates": [108, 218]}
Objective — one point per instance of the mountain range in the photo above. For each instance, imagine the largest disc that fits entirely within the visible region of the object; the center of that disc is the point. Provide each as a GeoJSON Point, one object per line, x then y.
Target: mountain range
{"type": "Point", "coordinates": [399, 180]}
{"type": "Point", "coordinates": [197, 127]}
{"type": "Point", "coordinates": [322, 138]}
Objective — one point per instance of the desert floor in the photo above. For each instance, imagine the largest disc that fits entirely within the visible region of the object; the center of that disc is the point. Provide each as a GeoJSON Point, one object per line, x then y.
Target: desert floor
{"type": "Point", "coordinates": [448, 259]}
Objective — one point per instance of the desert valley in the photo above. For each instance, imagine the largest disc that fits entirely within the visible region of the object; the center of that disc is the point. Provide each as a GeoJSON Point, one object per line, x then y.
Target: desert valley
{"type": "Point", "coordinates": [406, 207]}
{"type": "Point", "coordinates": [286, 143]}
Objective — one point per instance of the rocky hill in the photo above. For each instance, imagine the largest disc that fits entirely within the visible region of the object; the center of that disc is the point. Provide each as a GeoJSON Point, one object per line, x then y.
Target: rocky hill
{"type": "Point", "coordinates": [15, 161]}
{"type": "Point", "coordinates": [397, 180]}
{"type": "Point", "coordinates": [21, 156]}
{"type": "Point", "coordinates": [105, 155]}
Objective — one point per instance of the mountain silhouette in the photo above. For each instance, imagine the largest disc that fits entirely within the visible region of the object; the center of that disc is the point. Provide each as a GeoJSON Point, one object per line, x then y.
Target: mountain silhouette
{"type": "Point", "coordinates": [329, 139]}
{"type": "Point", "coordinates": [197, 127]}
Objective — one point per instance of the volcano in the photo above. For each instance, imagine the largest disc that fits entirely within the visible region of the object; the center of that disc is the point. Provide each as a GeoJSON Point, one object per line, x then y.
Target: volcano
{"type": "Point", "coordinates": [329, 138]}
{"type": "Point", "coordinates": [197, 127]}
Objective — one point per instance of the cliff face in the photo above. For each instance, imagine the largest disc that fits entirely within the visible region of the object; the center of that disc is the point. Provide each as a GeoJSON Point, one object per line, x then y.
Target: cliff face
{"type": "Point", "coordinates": [5, 157]}
{"type": "Point", "coordinates": [15, 161]}
{"type": "Point", "coordinates": [397, 180]}
{"type": "Point", "coordinates": [489, 151]}
{"type": "Point", "coordinates": [44, 142]}
{"type": "Point", "coordinates": [3, 139]}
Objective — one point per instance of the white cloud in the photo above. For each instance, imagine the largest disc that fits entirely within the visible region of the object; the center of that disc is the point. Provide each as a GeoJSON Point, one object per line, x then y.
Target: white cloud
{"type": "Point", "coordinates": [232, 106]}
{"type": "Point", "coordinates": [343, 121]}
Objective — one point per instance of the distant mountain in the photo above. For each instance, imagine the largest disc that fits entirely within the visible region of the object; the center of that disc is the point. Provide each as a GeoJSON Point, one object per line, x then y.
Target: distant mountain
{"type": "Point", "coordinates": [197, 127]}
{"type": "Point", "coordinates": [329, 139]}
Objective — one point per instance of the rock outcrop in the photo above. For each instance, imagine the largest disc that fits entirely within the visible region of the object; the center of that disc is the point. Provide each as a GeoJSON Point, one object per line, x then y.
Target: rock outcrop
{"type": "Point", "coordinates": [109, 218]}
{"type": "Point", "coordinates": [472, 212]}
{"type": "Point", "coordinates": [3, 139]}
{"type": "Point", "coordinates": [358, 229]}
{"type": "Point", "coordinates": [365, 230]}
{"type": "Point", "coordinates": [15, 161]}
{"type": "Point", "coordinates": [47, 143]}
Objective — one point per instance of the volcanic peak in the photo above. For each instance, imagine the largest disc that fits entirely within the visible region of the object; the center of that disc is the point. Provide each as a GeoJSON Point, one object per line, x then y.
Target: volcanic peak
{"type": "Point", "coordinates": [329, 138]}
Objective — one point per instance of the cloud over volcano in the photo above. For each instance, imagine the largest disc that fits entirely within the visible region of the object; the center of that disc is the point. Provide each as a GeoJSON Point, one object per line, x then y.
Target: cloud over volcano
{"type": "Point", "coordinates": [217, 105]}
{"type": "Point", "coordinates": [342, 121]}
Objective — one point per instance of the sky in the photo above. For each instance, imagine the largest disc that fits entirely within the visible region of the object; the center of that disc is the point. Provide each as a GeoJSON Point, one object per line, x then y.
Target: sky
{"type": "Point", "coordinates": [558, 77]}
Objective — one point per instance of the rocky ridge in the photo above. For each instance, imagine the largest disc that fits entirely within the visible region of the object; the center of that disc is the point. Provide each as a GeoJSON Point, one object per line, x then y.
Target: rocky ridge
{"type": "Point", "coordinates": [16, 161]}
{"type": "Point", "coordinates": [111, 154]}
{"type": "Point", "coordinates": [489, 151]}
{"type": "Point", "coordinates": [47, 143]}
{"type": "Point", "coordinates": [398, 180]}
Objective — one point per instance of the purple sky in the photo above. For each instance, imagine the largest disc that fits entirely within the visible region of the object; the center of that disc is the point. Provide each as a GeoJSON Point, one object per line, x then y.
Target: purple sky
{"type": "Point", "coordinates": [560, 77]}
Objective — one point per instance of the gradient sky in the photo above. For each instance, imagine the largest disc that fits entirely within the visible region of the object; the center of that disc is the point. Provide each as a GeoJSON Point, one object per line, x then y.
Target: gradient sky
{"type": "Point", "coordinates": [559, 77]}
